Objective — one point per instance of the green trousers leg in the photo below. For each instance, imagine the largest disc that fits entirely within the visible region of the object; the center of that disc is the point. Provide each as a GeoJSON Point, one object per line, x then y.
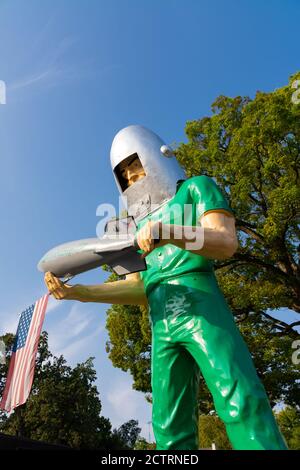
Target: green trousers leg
{"type": "Point", "coordinates": [192, 329]}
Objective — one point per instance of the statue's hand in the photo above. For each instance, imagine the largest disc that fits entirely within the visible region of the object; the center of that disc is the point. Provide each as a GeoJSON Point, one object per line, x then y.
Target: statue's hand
{"type": "Point", "coordinates": [57, 287]}
{"type": "Point", "coordinates": [149, 237]}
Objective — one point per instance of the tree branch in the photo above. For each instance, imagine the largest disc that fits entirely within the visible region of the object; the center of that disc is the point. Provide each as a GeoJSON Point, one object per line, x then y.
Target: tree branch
{"type": "Point", "coordinates": [285, 328]}
{"type": "Point", "coordinates": [250, 232]}
{"type": "Point", "coordinates": [296, 323]}
{"type": "Point", "coordinates": [230, 262]}
{"type": "Point", "coordinates": [253, 260]}
{"type": "Point", "coordinates": [279, 323]}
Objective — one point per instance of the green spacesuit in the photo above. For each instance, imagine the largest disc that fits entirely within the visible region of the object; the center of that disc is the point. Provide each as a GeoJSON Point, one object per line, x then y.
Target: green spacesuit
{"type": "Point", "coordinates": [193, 330]}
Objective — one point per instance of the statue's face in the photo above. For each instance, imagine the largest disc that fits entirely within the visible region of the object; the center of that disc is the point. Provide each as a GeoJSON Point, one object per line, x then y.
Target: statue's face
{"type": "Point", "coordinates": [133, 172]}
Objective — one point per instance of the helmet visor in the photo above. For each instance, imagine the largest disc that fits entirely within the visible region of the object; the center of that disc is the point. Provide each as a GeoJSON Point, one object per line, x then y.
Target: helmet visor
{"type": "Point", "coordinates": [129, 170]}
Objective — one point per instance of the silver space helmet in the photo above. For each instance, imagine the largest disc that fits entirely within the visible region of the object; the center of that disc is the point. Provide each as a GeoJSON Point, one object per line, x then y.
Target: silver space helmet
{"type": "Point", "coordinates": [162, 171]}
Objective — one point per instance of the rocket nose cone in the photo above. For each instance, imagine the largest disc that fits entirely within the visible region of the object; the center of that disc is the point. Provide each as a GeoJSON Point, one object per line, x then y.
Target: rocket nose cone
{"type": "Point", "coordinates": [40, 265]}
{"type": "Point", "coordinates": [43, 263]}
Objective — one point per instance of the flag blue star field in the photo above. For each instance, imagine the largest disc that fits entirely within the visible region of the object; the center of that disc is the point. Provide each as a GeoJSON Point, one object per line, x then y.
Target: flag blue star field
{"type": "Point", "coordinates": [22, 363]}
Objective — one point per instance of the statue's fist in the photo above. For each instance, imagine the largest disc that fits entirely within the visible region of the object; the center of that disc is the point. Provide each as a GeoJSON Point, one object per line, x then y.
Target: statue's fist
{"type": "Point", "coordinates": [57, 287]}
{"type": "Point", "coordinates": [150, 237]}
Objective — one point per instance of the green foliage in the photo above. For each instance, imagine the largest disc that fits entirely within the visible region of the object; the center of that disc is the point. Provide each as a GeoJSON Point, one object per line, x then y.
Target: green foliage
{"type": "Point", "coordinates": [289, 423]}
{"type": "Point", "coordinates": [142, 444]}
{"type": "Point", "coordinates": [128, 433]}
{"type": "Point", "coordinates": [252, 149]}
{"type": "Point", "coordinates": [63, 406]}
{"type": "Point", "coordinates": [130, 342]}
{"type": "Point", "coordinates": [8, 340]}
{"type": "Point", "coordinates": [272, 355]}
{"type": "Point", "coordinates": [212, 430]}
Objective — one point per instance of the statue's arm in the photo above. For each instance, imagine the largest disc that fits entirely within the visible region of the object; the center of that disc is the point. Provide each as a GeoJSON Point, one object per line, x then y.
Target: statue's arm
{"type": "Point", "coordinates": [129, 291]}
{"type": "Point", "coordinates": [216, 236]}
{"type": "Point", "coordinates": [220, 238]}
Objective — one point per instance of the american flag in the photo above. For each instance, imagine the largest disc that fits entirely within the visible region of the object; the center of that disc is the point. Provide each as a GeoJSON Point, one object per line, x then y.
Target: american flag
{"type": "Point", "coordinates": [21, 368]}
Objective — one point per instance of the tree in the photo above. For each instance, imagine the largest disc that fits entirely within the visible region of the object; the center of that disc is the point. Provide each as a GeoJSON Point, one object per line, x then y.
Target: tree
{"type": "Point", "coordinates": [251, 148]}
{"type": "Point", "coordinates": [272, 355]}
{"type": "Point", "coordinates": [289, 423]}
{"type": "Point", "coordinates": [8, 340]}
{"type": "Point", "coordinates": [212, 430]}
{"type": "Point", "coordinates": [142, 444]}
{"type": "Point", "coordinates": [63, 406]}
{"type": "Point", "coordinates": [128, 433]}
{"type": "Point", "coordinates": [130, 342]}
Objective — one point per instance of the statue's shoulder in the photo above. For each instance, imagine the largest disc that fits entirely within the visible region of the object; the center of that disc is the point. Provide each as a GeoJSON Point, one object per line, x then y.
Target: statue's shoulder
{"type": "Point", "coordinates": [200, 181]}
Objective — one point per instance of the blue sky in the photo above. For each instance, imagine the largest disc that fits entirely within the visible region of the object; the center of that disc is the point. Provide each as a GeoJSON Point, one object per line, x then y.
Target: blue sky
{"type": "Point", "coordinates": [78, 71]}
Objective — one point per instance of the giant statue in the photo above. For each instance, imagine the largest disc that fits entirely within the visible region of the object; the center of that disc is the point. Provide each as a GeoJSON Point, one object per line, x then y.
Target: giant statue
{"type": "Point", "coordinates": [183, 225]}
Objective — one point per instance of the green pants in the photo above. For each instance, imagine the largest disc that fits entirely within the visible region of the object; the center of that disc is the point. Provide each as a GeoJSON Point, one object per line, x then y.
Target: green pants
{"type": "Point", "coordinates": [193, 328]}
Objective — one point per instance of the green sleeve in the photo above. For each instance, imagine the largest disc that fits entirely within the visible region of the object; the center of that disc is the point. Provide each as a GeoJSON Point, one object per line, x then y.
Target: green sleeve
{"type": "Point", "coordinates": [207, 195]}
